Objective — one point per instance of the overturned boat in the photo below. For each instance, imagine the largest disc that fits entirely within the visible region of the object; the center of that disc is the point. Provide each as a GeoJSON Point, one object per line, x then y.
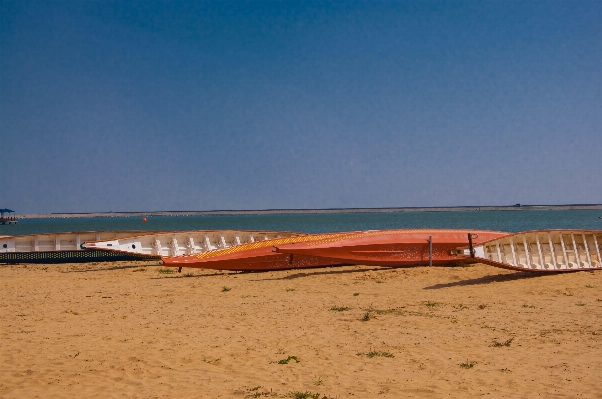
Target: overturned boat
{"type": "Point", "coordinates": [541, 251]}
{"type": "Point", "coordinates": [376, 247]}
{"type": "Point", "coordinates": [257, 256]}
{"type": "Point", "coordinates": [394, 248]}
{"type": "Point", "coordinates": [62, 247]}
{"type": "Point", "coordinates": [177, 243]}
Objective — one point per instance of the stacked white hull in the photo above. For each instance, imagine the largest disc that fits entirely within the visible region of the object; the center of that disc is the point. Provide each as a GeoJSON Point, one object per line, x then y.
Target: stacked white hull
{"type": "Point", "coordinates": [60, 247]}
{"type": "Point", "coordinates": [544, 250]}
{"type": "Point", "coordinates": [178, 243]}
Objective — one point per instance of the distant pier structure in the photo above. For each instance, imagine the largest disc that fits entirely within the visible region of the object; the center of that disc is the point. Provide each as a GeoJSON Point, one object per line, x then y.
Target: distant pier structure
{"type": "Point", "coordinates": [7, 219]}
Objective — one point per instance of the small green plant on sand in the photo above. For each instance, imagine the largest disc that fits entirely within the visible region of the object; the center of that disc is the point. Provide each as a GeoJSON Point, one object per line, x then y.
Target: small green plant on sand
{"type": "Point", "coordinates": [288, 359]}
{"type": "Point", "coordinates": [318, 381]}
{"type": "Point", "coordinates": [256, 393]}
{"type": "Point", "coordinates": [580, 304]}
{"type": "Point", "coordinates": [356, 294]}
{"type": "Point", "coordinates": [368, 314]}
{"type": "Point", "coordinates": [166, 271]}
{"type": "Point", "coordinates": [303, 395]}
{"type": "Point", "coordinates": [374, 353]}
{"type": "Point", "coordinates": [226, 289]}
{"type": "Point", "coordinates": [467, 364]}
{"type": "Point", "coordinates": [290, 289]}
{"type": "Point", "coordinates": [528, 306]}
{"type": "Point", "coordinates": [431, 304]}
{"type": "Point", "coordinates": [340, 308]}
{"type": "Point", "coordinates": [497, 344]}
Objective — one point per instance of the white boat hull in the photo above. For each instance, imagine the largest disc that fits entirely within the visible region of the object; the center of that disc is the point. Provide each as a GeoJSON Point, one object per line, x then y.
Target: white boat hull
{"type": "Point", "coordinates": [544, 250]}
{"type": "Point", "coordinates": [58, 241]}
{"type": "Point", "coordinates": [61, 247]}
{"type": "Point", "coordinates": [177, 243]}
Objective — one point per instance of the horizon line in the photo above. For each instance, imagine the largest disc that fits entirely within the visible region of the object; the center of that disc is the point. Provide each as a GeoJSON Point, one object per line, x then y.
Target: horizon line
{"type": "Point", "coordinates": [358, 209]}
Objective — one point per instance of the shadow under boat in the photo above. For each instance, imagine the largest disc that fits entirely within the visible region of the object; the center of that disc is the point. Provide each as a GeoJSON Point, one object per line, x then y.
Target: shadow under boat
{"type": "Point", "coordinates": [496, 278]}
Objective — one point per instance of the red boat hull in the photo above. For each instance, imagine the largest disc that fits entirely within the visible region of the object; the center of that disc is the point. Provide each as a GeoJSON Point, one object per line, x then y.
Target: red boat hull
{"type": "Point", "coordinates": [394, 248]}
{"type": "Point", "coordinates": [256, 256]}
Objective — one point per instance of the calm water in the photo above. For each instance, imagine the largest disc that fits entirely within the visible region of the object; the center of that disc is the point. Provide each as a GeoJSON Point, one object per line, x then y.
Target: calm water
{"type": "Point", "coordinates": [318, 223]}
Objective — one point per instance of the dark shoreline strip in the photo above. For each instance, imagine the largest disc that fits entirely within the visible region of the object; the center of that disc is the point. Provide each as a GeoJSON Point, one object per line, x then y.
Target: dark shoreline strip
{"type": "Point", "coordinates": [316, 211]}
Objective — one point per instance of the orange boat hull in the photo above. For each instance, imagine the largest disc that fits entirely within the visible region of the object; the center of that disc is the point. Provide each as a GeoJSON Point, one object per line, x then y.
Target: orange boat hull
{"type": "Point", "coordinates": [394, 248]}
{"type": "Point", "coordinates": [256, 256]}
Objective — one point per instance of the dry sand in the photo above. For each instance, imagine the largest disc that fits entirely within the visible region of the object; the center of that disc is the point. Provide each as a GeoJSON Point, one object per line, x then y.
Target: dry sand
{"type": "Point", "coordinates": [125, 330]}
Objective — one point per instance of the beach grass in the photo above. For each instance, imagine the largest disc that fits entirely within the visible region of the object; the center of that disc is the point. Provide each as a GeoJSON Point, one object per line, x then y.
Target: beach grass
{"type": "Point", "coordinates": [497, 344]}
{"type": "Point", "coordinates": [288, 359]}
{"type": "Point", "coordinates": [303, 395]}
{"type": "Point", "coordinates": [467, 364]}
{"type": "Point", "coordinates": [166, 271]}
{"type": "Point", "coordinates": [373, 353]}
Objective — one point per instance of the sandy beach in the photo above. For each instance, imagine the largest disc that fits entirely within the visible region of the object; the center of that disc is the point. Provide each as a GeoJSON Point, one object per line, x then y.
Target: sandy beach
{"type": "Point", "coordinates": [129, 329]}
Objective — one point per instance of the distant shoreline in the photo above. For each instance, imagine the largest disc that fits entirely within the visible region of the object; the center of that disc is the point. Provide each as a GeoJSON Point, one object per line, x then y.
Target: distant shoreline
{"type": "Point", "coordinates": [314, 211]}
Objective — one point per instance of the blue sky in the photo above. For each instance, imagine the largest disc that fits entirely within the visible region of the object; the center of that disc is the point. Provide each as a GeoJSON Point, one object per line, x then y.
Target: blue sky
{"type": "Point", "coordinates": [142, 106]}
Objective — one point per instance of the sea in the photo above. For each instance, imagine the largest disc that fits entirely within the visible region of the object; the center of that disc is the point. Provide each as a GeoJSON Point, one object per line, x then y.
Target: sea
{"type": "Point", "coordinates": [510, 221]}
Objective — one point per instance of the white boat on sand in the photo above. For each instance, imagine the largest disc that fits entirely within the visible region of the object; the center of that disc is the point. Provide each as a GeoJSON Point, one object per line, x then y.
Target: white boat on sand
{"type": "Point", "coordinates": [176, 243]}
{"type": "Point", "coordinates": [61, 247]}
{"type": "Point", "coordinates": [542, 251]}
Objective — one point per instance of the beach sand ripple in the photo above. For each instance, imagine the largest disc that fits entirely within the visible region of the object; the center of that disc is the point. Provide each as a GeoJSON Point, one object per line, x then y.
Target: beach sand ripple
{"type": "Point", "coordinates": [124, 329]}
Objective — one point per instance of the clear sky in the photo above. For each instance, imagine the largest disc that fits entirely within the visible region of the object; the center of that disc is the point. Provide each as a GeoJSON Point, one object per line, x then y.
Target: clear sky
{"type": "Point", "coordinates": [142, 106]}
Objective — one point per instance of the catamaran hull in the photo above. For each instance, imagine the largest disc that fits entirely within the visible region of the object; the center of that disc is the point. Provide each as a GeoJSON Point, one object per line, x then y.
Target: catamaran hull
{"type": "Point", "coordinates": [257, 256]}
{"type": "Point", "coordinates": [187, 242]}
{"type": "Point", "coordinates": [259, 261]}
{"type": "Point", "coordinates": [541, 251]}
{"type": "Point", "coordinates": [79, 256]}
{"type": "Point", "coordinates": [394, 248]}
{"type": "Point", "coordinates": [64, 247]}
